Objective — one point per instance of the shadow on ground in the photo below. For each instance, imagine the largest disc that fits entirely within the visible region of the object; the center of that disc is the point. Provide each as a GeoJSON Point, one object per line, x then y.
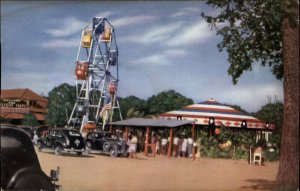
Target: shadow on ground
{"type": "Point", "coordinates": [259, 184]}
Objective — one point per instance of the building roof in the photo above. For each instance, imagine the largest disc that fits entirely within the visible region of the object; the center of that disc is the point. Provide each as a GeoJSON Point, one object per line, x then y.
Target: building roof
{"type": "Point", "coordinates": [223, 115]}
{"type": "Point", "coordinates": [26, 94]}
{"type": "Point", "coordinates": [134, 122]}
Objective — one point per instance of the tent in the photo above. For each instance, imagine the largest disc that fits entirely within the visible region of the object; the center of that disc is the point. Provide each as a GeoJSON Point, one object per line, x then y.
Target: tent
{"type": "Point", "coordinates": [221, 114]}
{"type": "Point", "coordinates": [155, 123]}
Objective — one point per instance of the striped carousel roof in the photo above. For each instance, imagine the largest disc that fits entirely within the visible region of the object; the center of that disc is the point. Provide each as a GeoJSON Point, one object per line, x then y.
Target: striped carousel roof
{"type": "Point", "coordinates": [223, 115]}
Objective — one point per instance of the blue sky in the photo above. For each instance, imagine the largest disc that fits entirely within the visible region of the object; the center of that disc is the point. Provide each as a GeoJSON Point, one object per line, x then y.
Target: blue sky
{"type": "Point", "coordinates": [162, 46]}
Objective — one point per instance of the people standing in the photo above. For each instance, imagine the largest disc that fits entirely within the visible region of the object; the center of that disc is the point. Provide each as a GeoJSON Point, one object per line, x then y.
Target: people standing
{"type": "Point", "coordinates": [179, 146]}
{"type": "Point", "coordinates": [153, 143]}
{"type": "Point", "coordinates": [190, 146]}
{"type": "Point", "coordinates": [184, 146]}
{"type": "Point", "coordinates": [133, 146]}
{"type": "Point", "coordinates": [175, 144]}
{"type": "Point", "coordinates": [164, 143]}
{"type": "Point", "coordinates": [157, 147]}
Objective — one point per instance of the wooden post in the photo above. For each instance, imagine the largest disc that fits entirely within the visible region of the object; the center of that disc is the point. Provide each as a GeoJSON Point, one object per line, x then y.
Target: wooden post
{"type": "Point", "coordinates": [170, 143]}
{"type": "Point", "coordinates": [146, 141]}
{"type": "Point", "coordinates": [126, 133]}
{"type": "Point", "coordinates": [193, 137]}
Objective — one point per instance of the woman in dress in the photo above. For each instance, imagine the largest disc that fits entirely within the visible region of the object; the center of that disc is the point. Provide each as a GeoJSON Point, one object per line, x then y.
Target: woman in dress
{"type": "Point", "coordinates": [133, 146]}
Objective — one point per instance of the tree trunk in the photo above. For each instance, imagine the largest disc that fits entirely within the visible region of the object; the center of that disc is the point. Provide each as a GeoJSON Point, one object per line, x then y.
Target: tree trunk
{"type": "Point", "coordinates": [288, 172]}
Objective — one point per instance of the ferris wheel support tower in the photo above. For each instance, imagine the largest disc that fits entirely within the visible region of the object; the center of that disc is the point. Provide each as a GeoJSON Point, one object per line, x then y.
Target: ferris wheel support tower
{"type": "Point", "coordinates": [97, 76]}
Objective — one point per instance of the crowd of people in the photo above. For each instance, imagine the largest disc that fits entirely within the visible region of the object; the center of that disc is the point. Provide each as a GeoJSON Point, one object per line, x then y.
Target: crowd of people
{"type": "Point", "coordinates": [182, 145]}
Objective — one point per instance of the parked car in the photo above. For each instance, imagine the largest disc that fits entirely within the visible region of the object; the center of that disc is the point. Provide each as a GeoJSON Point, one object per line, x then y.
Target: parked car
{"type": "Point", "coordinates": [29, 130]}
{"type": "Point", "coordinates": [20, 167]}
{"type": "Point", "coordinates": [40, 130]}
{"type": "Point", "coordinates": [62, 140]}
{"type": "Point", "coordinates": [105, 142]}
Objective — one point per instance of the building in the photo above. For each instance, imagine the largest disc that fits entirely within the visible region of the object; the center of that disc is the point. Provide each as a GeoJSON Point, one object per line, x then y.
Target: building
{"type": "Point", "coordinates": [15, 103]}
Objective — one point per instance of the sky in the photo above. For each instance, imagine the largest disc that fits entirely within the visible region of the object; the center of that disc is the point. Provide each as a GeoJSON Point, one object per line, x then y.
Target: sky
{"type": "Point", "coordinates": [163, 45]}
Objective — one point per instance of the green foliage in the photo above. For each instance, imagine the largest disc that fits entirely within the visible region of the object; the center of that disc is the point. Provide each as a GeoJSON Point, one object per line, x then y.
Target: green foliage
{"type": "Point", "coordinates": [132, 107]}
{"type": "Point", "coordinates": [251, 32]}
{"type": "Point", "coordinates": [156, 104]}
{"type": "Point", "coordinates": [167, 101]}
{"type": "Point", "coordinates": [242, 140]}
{"type": "Point", "coordinates": [30, 120]}
{"type": "Point", "coordinates": [272, 113]}
{"type": "Point", "coordinates": [61, 101]}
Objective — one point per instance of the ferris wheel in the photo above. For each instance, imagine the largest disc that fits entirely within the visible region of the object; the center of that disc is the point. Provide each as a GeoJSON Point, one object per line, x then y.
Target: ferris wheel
{"type": "Point", "coordinates": [96, 76]}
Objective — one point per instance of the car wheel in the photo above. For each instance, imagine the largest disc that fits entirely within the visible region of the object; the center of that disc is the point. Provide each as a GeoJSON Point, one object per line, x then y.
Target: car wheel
{"type": "Point", "coordinates": [79, 153]}
{"type": "Point", "coordinates": [113, 152]}
{"type": "Point", "coordinates": [30, 179]}
{"type": "Point", "coordinates": [58, 150]}
{"type": "Point", "coordinates": [40, 146]}
{"type": "Point", "coordinates": [88, 147]}
{"type": "Point", "coordinates": [106, 146]}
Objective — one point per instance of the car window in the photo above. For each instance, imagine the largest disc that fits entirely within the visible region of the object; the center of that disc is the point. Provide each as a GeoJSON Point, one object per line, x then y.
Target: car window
{"type": "Point", "coordinates": [74, 134]}
{"type": "Point", "coordinates": [58, 134]}
{"type": "Point", "coordinates": [91, 135]}
{"type": "Point", "coordinates": [10, 142]}
{"type": "Point", "coordinates": [52, 133]}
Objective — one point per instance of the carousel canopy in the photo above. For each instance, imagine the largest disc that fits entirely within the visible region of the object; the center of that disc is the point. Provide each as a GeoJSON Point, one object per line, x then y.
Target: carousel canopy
{"type": "Point", "coordinates": [133, 122]}
{"type": "Point", "coordinates": [221, 114]}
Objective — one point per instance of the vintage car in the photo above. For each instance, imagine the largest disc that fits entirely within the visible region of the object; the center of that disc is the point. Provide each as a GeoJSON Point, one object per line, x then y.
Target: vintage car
{"type": "Point", "coordinates": [29, 130]}
{"type": "Point", "coordinates": [20, 167]}
{"type": "Point", "coordinates": [62, 140]}
{"type": "Point", "coordinates": [105, 142]}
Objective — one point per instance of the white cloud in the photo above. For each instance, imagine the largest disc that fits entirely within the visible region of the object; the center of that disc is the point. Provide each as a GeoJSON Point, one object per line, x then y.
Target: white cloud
{"type": "Point", "coordinates": [186, 11]}
{"type": "Point", "coordinates": [155, 34]}
{"type": "Point", "coordinates": [252, 97]}
{"type": "Point", "coordinates": [164, 58]}
{"type": "Point", "coordinates": [176, 52]}
{"type": "Point", "coordinates": [66, 27]}
{"type": "Point", "coordinates": [192, 34]}
{"type": "Point", "coordinates": [132, 20]}
{"type": "Point", "coordinates": [60, 43]}
{"type": "Point", "coordinates": [156, 59]}
{"type": "Point", "coordinates": [105, 14]}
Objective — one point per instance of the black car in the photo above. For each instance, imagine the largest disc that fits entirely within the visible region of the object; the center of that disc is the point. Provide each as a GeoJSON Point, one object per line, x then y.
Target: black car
{"type": "Point", "coordinates": [62, 140]}
{"type": "Point", "coordinates": [105, 142]}
{"type": "Point", "coordinates": [29, 130]}
{"type": "Point", "coordinates": [20, 167]}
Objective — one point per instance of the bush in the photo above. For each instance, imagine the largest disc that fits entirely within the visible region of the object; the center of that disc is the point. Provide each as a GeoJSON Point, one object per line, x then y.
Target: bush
{"type": "Point", "coordinates": [242, 140]}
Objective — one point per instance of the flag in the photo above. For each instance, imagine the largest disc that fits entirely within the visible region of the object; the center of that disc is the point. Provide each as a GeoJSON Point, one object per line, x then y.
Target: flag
{"type": "Point", "coordinates": [105, 108]}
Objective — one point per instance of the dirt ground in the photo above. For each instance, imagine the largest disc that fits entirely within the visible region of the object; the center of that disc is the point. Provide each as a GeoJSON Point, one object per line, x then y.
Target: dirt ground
{"type": "Point", "coordinates": [101, 172]}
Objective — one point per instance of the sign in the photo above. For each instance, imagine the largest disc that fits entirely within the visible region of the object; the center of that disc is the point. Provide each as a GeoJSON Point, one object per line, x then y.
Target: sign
{"type": "Point", "coordinates": [13, 110]}
{"type": "Point", "coordinates": [12, 103]}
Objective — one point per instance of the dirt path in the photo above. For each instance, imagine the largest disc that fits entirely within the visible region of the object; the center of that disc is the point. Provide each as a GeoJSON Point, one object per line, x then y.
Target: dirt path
{"type": "Point", "coordinates": [100, 172]}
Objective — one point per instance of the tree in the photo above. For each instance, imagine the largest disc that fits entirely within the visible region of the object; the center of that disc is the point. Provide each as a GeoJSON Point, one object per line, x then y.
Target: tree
{"type": "Point", "coordinates": [61, 102]}
{"type": "Point", "coordinates": [29, 119]}
{"type": "Point", "coordinates": [132, 107]}
{"type": "Point", "coordinates": [266, 32]}
{"type": "Point", "coordinates": [166, 101]}
{"type": "Point", "coordinates": [272, 113]}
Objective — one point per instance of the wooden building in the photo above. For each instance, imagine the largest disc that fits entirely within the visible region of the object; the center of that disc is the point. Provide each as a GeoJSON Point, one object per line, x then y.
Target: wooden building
{"type": "Point", "coordinates": [15, 103]}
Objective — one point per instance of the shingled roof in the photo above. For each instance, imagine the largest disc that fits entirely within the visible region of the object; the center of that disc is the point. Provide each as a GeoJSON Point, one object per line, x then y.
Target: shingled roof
{"type": "Point", "coordinates": [25, 94]}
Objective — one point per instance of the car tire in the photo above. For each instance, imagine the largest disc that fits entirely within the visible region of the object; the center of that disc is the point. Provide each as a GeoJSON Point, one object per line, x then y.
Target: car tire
{"type": "Point", "coordinates": [30, 179]}
{"type": "Point", "coordinates": [106, 147]}
{"type": "Point", "coordinates": [40, 146]}
{"type": "Point", "coordinates": [58, 150]}
{"type": "Point", "coordinates": [113, 152]}
{"type": "Point", "coordinates": [88, 148]}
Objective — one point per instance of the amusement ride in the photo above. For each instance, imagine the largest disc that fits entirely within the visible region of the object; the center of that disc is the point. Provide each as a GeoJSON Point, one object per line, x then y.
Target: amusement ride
{"type": "Point", "coordinates": [97, 77]}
